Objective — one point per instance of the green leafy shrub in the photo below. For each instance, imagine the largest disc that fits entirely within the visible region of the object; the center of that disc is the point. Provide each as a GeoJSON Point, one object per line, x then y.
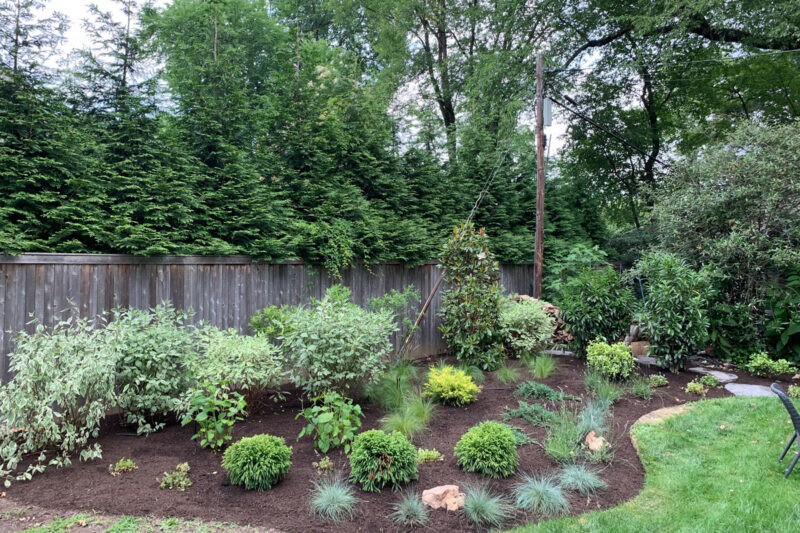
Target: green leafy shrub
{"type": "Point", "coordinates": [122, 466]}
{"type": "Point", "coordinates": [272, 322]}
{"type": "Point", "coordinates": [657, 380]}
{"type": "Point", "coordinates": [541, 496]}
{"type": "Point", "coordinates": [578, 477]}
{"type": "Point", "coordinates": [488, 448]}
{"type": "Point", "coordinates": [534, 413]}
{"type": "Point", "coordinates": [332, 421]}
{"type": "Point", "coordinates": [525, 326]}
{"type": "Point", "coordinates": [450, 386]}
{"type": "Point", "coordinates": [428, 456]}
{"type": "Point", "coordinates": [793, 391]}
{"type": "Point", "coordinates": [577, 258]}
{"type": "Point", "coordinates": [532, 390]}
{"type": "Point", "coordinates": [335, 345]}
{"type": "Point", "coordinates": [761, 365]}
{"type": "Point", "coordinates": [250, 365]}
{"type": "Point", "coordinates": [783, 328]}
{"type": "Point", "coordinates": [410, 512]}
{"type": "Point", "coordinates": [403, 307]}
{"type": "Point", "coordinates": [471, 305]}
{"type": "Point", "coordinates": [62, 388]}
{"type": "Point", "coordinates": [410, 418]}
{"type": "Point", "coordinates": [257, 463]}
{"type": "Point", "coordinates": [541, 366]}
{"type": "Point", "coordinates": [710, 381]}
{"type": "Point", "coordinates": [483, 508]}
{"type": "Point", "coordinates": [675, 315]}
{"type": "Point", "coordinates": [333, 499]}
{"type": "Point", "coordinates": [695, 387]}
{"type": "Point", "coordinates": [610, 360]}
{"type": "Point", "coordinates": [735, 207]}
{"type": "Point", "coordinates": [215, 409]}
{"type": "Point", "coordinates": [177, 480]}
{"type": "Point", "coordinates": [597, 305]}
{"type": "Point", "coordinates": [379, 459]}
{"type": "Point", "coordinates": [152, 350]}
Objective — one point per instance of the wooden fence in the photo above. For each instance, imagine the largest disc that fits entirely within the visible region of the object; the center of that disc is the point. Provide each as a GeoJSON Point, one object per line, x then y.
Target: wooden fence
{"type": "Point", "coordinates": [222, 291]}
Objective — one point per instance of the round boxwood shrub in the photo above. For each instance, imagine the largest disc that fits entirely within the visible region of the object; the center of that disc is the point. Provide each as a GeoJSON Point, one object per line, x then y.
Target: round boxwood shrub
{"type": "Point", "coordinates": [257, 463]}
{"type": "Point", "coordinates": [379, 459]}
{"type": "Point", "coordinates": [610, 360]}
{"type": "Point", "coordinates": [488, 448]}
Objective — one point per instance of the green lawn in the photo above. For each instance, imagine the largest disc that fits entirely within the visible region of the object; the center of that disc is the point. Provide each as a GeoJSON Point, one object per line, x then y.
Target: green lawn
{"type": "Point", "coordinates": [702, 478]}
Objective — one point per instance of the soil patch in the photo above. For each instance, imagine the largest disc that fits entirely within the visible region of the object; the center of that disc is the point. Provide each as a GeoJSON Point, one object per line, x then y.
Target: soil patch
{"type": "Point", "coordinates": [89, 487]}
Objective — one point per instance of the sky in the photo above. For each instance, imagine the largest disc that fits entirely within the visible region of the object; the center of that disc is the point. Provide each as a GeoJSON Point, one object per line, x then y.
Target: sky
{"type": "Point", "coordinates": [78, 10]}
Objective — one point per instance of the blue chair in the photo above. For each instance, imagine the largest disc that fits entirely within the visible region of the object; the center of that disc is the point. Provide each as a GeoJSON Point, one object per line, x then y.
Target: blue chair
{"type": "Point", "coordinates": [795, 420]}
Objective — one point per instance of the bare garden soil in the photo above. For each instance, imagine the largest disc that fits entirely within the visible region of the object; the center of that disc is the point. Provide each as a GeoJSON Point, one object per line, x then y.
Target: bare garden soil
{"type": "Point", "coordinates": [90, 487]}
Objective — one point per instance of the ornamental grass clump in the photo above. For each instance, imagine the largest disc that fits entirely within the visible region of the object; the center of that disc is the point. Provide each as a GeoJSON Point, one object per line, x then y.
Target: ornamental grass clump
{"type": "Point", "coordinates": [379, 459]}
{"type": "Point", "coordinates": [483, 508]}
{"type": "Point", "coordinates": [578, 477]}
{"type": "Point", "coordinates": [411, 418]}
{"type": "Point", "coordinates": [488, 448]}
{"type": "Point", "coordinates": [257, 463]}
{"type": "Point", "coordinates": [410, 512]}
{"type": "Point", "coordinates": [541, 496]}
{"type": "Point", "coordinates": [450, 386]}
{"type": "Point", "coordinates": [333, 500]}
{"type": "Point", "coordinates": [613, 361]}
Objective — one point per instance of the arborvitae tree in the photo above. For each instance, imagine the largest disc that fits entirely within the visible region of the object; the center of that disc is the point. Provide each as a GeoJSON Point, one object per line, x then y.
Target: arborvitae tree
{"type": "Point", "coordinates": [48, 198]}
{"type": "Point", "coordinates": [148, 178]}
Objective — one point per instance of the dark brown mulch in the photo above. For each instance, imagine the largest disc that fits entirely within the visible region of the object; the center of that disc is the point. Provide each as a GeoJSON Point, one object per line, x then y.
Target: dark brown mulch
{"type": "Point", "coordinates": [88, 486]}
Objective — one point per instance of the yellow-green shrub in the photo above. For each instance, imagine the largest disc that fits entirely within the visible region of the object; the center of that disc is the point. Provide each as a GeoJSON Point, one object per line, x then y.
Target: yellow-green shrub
{"type": "Point", "coordinates": [610, 360]}
{"type": "Point", "coordinates": [451, 386]}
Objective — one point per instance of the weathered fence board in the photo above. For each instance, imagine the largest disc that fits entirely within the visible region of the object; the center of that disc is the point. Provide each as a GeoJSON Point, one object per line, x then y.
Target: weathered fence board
{"type": "Point", "coordinates": [222, 291]}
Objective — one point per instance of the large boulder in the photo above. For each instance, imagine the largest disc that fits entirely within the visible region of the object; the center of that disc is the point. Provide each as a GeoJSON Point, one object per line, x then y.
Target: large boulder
{"type": "Point", "coordinates": [449, 497]}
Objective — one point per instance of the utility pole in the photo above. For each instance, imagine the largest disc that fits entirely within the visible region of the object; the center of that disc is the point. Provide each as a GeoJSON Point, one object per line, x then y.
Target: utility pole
{"type": "Point", "coordinates": [539, 251]}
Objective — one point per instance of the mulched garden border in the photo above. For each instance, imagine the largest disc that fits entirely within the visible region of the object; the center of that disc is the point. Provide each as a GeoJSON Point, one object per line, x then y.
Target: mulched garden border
{"type": "Point", "coordinates": [89, 487]}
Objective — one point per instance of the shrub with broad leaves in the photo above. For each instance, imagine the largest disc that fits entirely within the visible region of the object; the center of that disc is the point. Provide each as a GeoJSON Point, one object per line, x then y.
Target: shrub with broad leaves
{"type": "Point", "coordinates": [525, 326]}
{"type": "Point", "coordinates": [597, 304]}
{"type": "Point", "coordinates": [332, 421]}
{"type": "Point", "coordinates": [613, 361]}
{"type": "Point", "coordinates": [152, 350]}
{"type": "Point", "coordinates": [62, 388]}
{"type": "Point", "coordinates": [335, 345]}
{"type": "Point", "coordinates": [471, 304]}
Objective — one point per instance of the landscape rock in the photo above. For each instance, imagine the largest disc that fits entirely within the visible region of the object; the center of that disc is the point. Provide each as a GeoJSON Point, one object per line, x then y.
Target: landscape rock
{"type": "Point", "coordinates": [448, 496]}
{"type": "Point", "coordinates": [646, 360]}
{"type": "Point", "coordinates": [639, 348]}
{"type": "Point", "coordinates": [722, 377]}
{"type": "Point", "coordinates": [743, 389]}
{"type": "Point", "coordinates": [595, 442]}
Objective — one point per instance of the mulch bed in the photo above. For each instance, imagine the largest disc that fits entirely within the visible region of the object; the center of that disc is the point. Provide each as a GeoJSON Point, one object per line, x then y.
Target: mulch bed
{"type": "Point", "coordinates": [88, 486]}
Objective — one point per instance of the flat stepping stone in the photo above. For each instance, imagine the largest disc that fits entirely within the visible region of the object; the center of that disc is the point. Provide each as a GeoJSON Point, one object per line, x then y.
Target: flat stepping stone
{"type": "Point", "coordinates": [722, 377]}
{"type": "Point", "coordinates": [559, 352]}
{"type": "Point", "coordinates": [646, 360]}
{"type": "Point", "coordinates": [742, 389]}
